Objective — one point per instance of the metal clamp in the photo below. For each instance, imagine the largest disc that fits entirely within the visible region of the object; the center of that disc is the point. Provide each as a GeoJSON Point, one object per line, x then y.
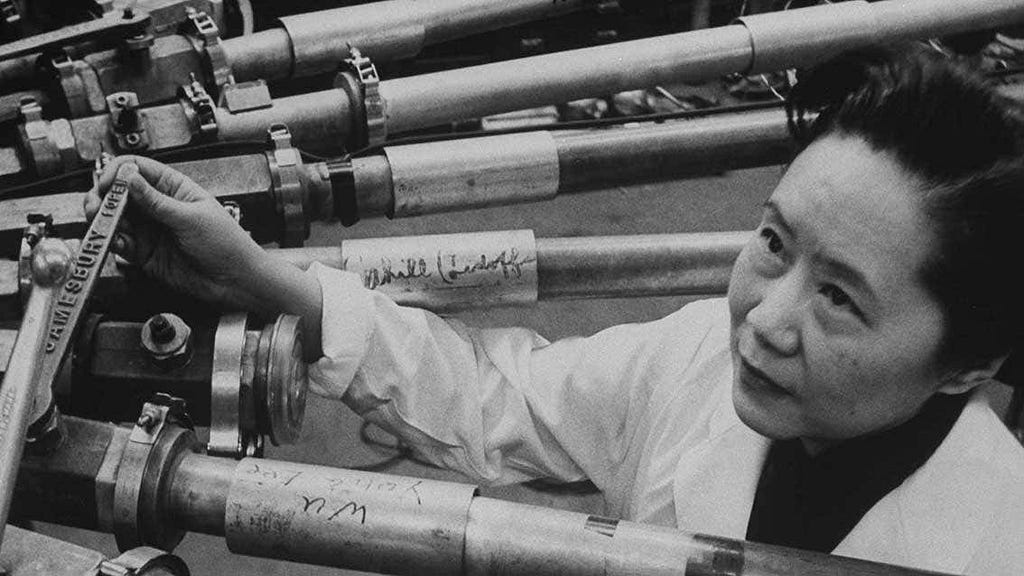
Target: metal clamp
{"type": "Point", "coordinates": [204, 29]}
{"type": "Point", "coordinates": [285, 164]}
{"type": "Point", "coordinates": [232, 423]}
{"type": "Point", "coordinates": [359, 77]}
{"type": "Point", "coordinates": [144, 561]}
{"type": "Point", "coordinates": [343, 189]}
{"type": "Point", "coordinates": [159, 433]}
{"type": "Point", "coordinates": [127, 122]}
{"type": "Point", "coordinates": [201, 105]}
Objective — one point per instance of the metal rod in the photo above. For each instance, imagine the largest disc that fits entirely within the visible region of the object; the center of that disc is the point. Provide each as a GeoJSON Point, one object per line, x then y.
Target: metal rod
{"type": "Point", "coordinates": [399, 525]}
{"type": "Point", "coordinates": [759, 43]}
{"type": "Point", "coordinates": [497, 170]}
{"type": "Point", "coordinates": [583, 267]}
{"type": "Point", "coordinates": [19, 391]}
{"type": "Point", "coordinates": [316, 42]}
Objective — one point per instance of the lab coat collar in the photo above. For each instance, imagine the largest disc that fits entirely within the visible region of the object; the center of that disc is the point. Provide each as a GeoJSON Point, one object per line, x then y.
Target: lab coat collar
{"type": "Point", "coordinates": [717, 476]}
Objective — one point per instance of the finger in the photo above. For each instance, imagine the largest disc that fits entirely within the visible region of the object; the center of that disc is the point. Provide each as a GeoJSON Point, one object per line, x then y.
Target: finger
{"type": "Point", "coordinates": [91, 203]}
{"type": "Point", "coordinates": [106, 178]}
{"type": "Point", "coordinates": [154, 204]}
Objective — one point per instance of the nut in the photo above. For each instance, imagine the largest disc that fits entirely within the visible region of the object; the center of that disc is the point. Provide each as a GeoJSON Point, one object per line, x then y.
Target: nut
{"type": "Point", "coordinates": [167, 341]}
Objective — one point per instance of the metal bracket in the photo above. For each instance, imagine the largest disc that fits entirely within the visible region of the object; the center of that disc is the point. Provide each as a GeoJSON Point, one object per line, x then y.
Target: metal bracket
{"type": "Point", "coordinates": [285, 170]}
{"type": "Point", "coordinates": [127, 122]}
{"type": "Point", "coordinates": [131, 23]}
{"type": "Point", "coordinates": [245, 96]}
{"type": "Point", "coordinates": [163, 410]}
{"type": "Point", "coordinates": [361, 70]}
{"type": "Point", "coordinates": [204, 29]}
{"type": "Point", "coordinates": [204, 118]}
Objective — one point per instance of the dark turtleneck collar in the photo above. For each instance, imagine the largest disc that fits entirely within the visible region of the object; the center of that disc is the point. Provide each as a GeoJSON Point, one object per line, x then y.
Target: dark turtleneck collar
{"type": "Point", "coordinates": [812, 503]}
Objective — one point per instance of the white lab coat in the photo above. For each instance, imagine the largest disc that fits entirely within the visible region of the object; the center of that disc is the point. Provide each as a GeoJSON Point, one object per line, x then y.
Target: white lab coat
{"type": "Point", "coordinates": [645, 412]}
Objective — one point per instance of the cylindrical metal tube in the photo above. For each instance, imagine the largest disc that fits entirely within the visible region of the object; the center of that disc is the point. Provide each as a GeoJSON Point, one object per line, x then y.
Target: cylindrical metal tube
{"type": "Point", "coordinates": [346, 518]}
{"type": "Point", "coordinates": [632, 266]}
{"type": "Point", "coordinates": [317, 121]}
{"type": "Point", "coordinates": [265, 55]}
{"type": "Point", "coordinates": [448, 271]}
{"type": "Point", "coordinates": [432, 99]}
{"type": "Point", "coordinates": [512, 539]}
{"type": "Point", "coordinates": [760, 42]}
{"type": "Point", "coordinates": [601, 159]}
{"type": "Point", "coordinates": [198, 495]}
{"type": "Point", "coordinates": [316, 42]}
{"type": "Point", "coordinates": [581, 267]}
{"type": "Point", "coordinates": [400, 525]}
{"type": "Point", "coordinates": [472, 173]}
{"type": "Point", "coordinates": [925, 18]}
{"type": "Point", "coordinates": [417, 179]}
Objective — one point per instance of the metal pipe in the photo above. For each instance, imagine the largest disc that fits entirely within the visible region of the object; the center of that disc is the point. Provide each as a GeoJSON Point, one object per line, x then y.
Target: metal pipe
{"type": "Point", "coordinates": [19, 392]}
{"type": "Point", "coordinates": [395, 525]}
{"type": "Point", "coordinates": [311, 43]}
{"type": "Point", "coordinates": [583, 267]}
{"type": "Point", "coordinates": [401, 525]}
{"type": "Point", "coordinates": [758, 43]}
{"type": "Point", "coordinates": [497, 170]}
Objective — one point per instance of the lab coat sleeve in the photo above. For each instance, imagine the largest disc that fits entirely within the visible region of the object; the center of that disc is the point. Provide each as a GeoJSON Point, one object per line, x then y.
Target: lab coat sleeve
{"type": "Point", "coordinates": [499, 405]}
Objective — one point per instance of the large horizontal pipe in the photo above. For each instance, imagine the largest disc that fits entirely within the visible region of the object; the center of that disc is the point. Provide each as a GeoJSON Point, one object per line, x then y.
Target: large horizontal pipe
{"type": "Point", "coordinates": [758, 43]}
{"type": "Point", "coordinates": [307, 44]}
{"type": "Point", "coordinates": [397, 525]}
{"type": "Point", "coordinates": [366, 521]}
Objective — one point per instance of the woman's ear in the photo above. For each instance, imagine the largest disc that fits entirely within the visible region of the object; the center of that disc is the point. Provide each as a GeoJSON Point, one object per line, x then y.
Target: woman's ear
{"type": "Point", "coordinates": [968, 378]}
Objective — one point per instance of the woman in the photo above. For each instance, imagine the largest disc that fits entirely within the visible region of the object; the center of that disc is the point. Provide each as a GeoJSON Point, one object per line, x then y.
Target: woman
{"type": "Point", "coordinates": [825, 405]}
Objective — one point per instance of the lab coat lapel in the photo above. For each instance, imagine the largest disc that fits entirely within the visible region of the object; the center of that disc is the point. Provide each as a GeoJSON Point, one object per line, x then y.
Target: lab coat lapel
{"type": "Point", "coordinates": [934, 520]}
{"type": "Point", "coordinates": [717, 476]}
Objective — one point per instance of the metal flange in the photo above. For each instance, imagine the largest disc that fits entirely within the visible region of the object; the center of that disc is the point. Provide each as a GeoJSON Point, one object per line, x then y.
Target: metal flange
{"type": "Point", "coordinates": [280, 380]}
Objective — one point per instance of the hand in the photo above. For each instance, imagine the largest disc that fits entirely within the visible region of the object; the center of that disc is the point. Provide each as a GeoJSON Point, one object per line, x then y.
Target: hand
{"type": "Point", "coordinates": [179, 234]}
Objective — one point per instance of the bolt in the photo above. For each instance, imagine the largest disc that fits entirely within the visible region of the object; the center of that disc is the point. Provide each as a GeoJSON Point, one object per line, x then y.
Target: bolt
{"type": "Point", "coordinates": [145, 420]}
{"type": "Point", "coordinates": [132, 139]}
{"type": "Point", "coordinates": [161, 329]}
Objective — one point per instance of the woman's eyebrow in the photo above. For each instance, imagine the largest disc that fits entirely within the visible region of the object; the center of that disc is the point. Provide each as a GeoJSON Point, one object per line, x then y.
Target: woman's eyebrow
{"type": "Point", "coordinates": [776, 214]}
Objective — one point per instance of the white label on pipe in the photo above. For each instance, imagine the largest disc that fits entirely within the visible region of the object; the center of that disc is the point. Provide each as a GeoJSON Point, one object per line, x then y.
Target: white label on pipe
{"type": "Point", "coordinates": [448, 271]}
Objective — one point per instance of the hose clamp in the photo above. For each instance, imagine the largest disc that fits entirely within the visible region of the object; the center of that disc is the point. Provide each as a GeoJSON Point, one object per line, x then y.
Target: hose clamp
{"type": "Point", "coordinates": [360, 79]}
{"type": "Point", "coordinates": [162, 430]}
{"type": "Point", "coordinates": [204, 29]}
{"type": "Point", "coordinates": [285, 171]}
{"type": "Point", "coordinates": [204, 119]}
{"type": "Point", "coordinates": [343, 189]}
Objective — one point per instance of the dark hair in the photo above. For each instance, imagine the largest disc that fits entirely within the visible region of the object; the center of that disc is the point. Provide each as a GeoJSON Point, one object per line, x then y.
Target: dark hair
{"type": "Point", "coordinates": [965, 143]}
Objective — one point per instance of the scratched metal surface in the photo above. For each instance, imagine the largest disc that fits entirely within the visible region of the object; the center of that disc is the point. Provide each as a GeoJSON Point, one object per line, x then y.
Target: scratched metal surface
{"type": "Point", "coordinates": [330, 437]}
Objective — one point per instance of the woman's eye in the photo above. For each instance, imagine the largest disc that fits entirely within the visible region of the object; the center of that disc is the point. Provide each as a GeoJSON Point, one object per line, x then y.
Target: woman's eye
{"type": "Point", "coordinates": [838, 298]}
{"type": "Point", "coordinates": [772, 241]}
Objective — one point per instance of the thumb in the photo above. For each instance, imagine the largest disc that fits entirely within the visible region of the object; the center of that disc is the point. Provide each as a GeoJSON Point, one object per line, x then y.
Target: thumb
{"type": "Point", "coordinates": [151, 202]}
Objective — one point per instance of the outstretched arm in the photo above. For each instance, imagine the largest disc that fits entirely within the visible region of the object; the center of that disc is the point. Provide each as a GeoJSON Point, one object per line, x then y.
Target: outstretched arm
{"type": "Point", "coordinates": [179, 234]}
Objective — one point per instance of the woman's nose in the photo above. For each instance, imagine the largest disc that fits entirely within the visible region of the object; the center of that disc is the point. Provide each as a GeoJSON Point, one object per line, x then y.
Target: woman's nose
{"type": "Point", "coordinates": [775, 319]}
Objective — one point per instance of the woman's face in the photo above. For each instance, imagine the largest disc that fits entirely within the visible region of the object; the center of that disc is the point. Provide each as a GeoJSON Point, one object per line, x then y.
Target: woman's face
{"type": "Point", "coordinates": [833, 333]}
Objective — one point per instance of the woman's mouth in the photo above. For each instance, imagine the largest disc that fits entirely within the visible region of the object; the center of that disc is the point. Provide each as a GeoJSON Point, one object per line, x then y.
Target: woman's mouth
{"type": "Point", "coordinates": [757, 379]}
